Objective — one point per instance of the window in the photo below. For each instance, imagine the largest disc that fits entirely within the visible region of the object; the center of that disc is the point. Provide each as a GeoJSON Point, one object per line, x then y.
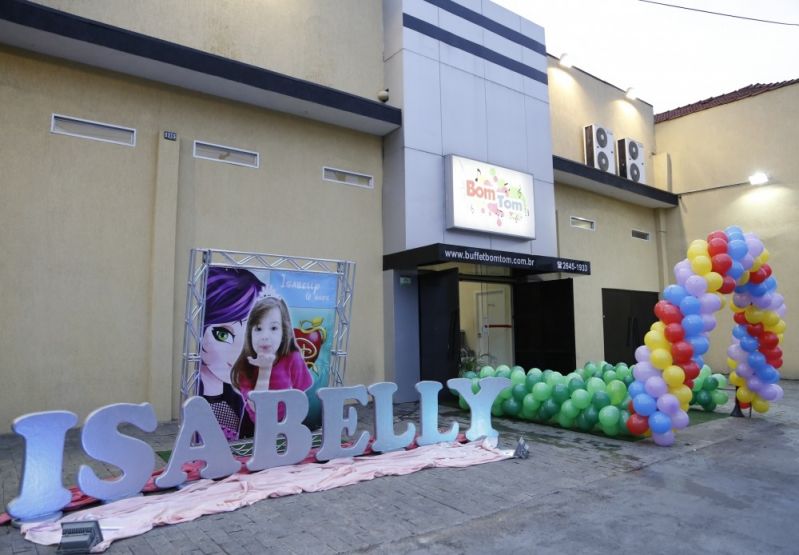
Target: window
{"type": "Point", "coordinates": [583, 223]}
{"type": "Point", "coordinates": [227, 154]}
{"type": "Point", "coordinates": [640, 234]}
{"type": "Point", "coordinates": [348, 178]}
{"type": "Point", "coordinates": [94, 130]}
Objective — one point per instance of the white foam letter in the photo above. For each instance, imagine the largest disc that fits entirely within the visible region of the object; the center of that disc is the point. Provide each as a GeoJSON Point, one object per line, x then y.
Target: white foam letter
{"type": "Point", "coordinates": [385, 440]}
{"type": "Point", "coordinates": [333, 422]}
{"type": "Point", "coordinates": [428, 407]}
{"type": "Point", "coordinates": [268, 429]}
{"type": "Point", "coordinates": [480, 403]}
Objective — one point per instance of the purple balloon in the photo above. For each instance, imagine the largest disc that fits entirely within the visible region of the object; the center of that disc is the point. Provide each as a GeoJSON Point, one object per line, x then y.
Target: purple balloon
{"type": "Point", "coordinates": [741, 300]}
{"type": "Point", "coordinates": [642, 354]}
{"type": "Point", "coordinates": [682, 275]}
{"type": "Point", "coordinates": [744, 370]}
{"type": "Point", "coordinates": [695, 285]}
{"type": "Point", "coordinates": [679, 420]}
{"type": "Point", "coordinates": [755, 245]}
{"type": "Point", "coordinates": [709, 303]}
{"type": "Point", "coordinates": [709, 322]}
{"type": "Point", "coordinates": [643, 371]}
{"type": "Point", "coordinates": [664, 440]}
{"type": "Point", "coordinates": [747, 261]}
{"type": "Point", "coordinates": [776, 301]}
{"type": "Point", "coordinates": [771, 392]}
{"type": "Point", "coordinates": [763, 302]}
{"type": "Point", "coordinates": [681, 266]}
{"type": "Point", "coordinates": [781, 311]}
{"type": "Point", "coordinates": [735, 352]}
{"type": "Point", "coordinates": [655, 386]}
{"type": "Point", "coordinates": [754, 383]}
{"type": "Point", "coordinates": [668, 404]}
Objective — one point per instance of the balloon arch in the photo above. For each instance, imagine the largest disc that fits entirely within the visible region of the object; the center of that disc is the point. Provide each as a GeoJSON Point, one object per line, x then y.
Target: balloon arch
{"type": "Point", "coordinates": [728, 262]}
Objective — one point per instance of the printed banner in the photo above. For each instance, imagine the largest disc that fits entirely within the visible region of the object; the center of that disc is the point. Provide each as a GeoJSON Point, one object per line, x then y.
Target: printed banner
{"type": "Point", "coordinates": [264, 329]}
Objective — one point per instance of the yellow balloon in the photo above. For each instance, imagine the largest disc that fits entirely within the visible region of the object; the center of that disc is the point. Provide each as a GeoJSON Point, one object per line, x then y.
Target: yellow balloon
{"type": "Point", "coordinates": [777, 328]}
{"type": "Point", "coordinates": [736, 308]}
{"type": "Point", "coordinates": [658, 326]}
{"type": "Point", "coordinates": [760, 405]}
{"type": "Point", "coordinates": [732, 363]}
{"type": "Point", "coordinates": [744, 394]}
{"type": "Point", "coordinates": [763, 256]}
{"type": "Point", "coordinates": [701, 264]}
{"type": "Point", "coordinates": [754, 315]}
{"type": "Point", "coordinates": [770, 318]}
{"type": "Point", "coordinates": [714, 281]}
{"type": "Point", "coordinates": [723, 300]}
{"type": "Point", "coordinates": [674, 376]}
{"type": "Point", "coordinates": [685, 406]}
{"type": "Point", "coordinates": [683, 394]}
{"type": "Point", "coordinates": [655, 340]}
{"type": "Point", "coordinates": [736, 380]}
{"type": "Point", "coordinates": [660, 358]}
{"type": "Point", "coordinates": [779, 337]}
{"type": "Point", "coordinates": [697, 248]}
{"type": "Point", "coordinates": [744, 279]}
{"type": "Point", "coordinates": [756, 264]}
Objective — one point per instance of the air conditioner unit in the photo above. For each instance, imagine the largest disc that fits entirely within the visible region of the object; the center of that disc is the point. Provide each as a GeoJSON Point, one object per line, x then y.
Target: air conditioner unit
{"type": "Point", "coordinates": [631, 160]}
{"type": "Point", "coordinates": [599, 148]}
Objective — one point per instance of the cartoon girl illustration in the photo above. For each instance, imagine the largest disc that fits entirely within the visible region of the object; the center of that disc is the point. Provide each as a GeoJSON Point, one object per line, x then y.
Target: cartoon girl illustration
{"type": "Point", "coordinates": [230, 294]}
{"type": "Point", "coordinates": [270, 358]}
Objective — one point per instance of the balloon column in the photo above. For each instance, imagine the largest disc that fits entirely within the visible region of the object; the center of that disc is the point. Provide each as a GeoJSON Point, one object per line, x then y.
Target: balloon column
{"type": "Point", "coordinates": [669, 362]}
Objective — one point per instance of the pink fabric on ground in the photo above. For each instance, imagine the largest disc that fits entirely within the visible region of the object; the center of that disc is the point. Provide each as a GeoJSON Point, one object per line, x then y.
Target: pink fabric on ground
{"type": "Point", "coordinates": [137, 515]}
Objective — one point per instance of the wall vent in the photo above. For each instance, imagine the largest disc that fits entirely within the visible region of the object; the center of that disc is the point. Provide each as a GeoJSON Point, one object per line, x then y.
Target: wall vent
{"type": "Point", "coordinates": [94, 130]}
{"type": "Point", "coordinates": [583, 223]}
{"type": "Point", "coordinates": [226, 154]}
{"type": "Point", "coordinates": [640, 234]}
{"type": "Point", "coordinates": [348, 178]}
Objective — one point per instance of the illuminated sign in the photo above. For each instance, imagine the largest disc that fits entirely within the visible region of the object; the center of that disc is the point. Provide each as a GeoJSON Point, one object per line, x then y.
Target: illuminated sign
{"type": "Point", "coordinates": [488, 198]}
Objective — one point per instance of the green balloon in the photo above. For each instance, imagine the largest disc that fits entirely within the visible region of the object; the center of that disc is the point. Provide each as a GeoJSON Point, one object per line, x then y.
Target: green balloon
{"type": "Point", "coordinates": [575, 384]}
{"type": "Point", "coordinates": [527, 414]}
{"type": "Point", "coordinates": [581, 399]}
{"type": "Point", "coordinates": [470, 375]}
{"type": "Point", "coordinates": [535, 372]}
{"type": "Point", "coordinates": [624, 416]}
{"type": "Point", "coordinates": [600, 400]}
{"type": "Point", "coordinates": [569, 409]}
{"type": "Point", "coordinates": [496, 409]}
{"type": "Point", "coordinates": [502, 373]}
{"type": "Point", "coordinates": [702, 397]}
{"type": "Point", "coordinates": [609, 417]}
{"type": "Point", "coordinates": [560, 393]}
{"type": "Point", "coordinates": [721, 379]}
{"type": "Point", "coordinates": [546, 374]}
{"type": "Point", "coordinates": [705, 371]}
{"type": "Point", "coordinates": [548, 409]}
{"type": "Point", "coordinates": [622, 372]}
{"type": "Point", "coordinates": [565, 421]}
{"type": "Point", "coordinates": [589, 369]}
{"type": "Point", "coordinates": [591, 415]}
{"type": "Point", "coordinates": [519, 392]}
{"type": "Point", "coordinates": [463, 404]}
{"type": "Point", "coordinates": [617, 392]}
{"type": "Point", "coordinates": [511, 407]}
{"type": "Point", "coordinates": [584, 423]}
{"type": "Point", "coordinates": [620, 366]}
{"type": "Point", "coordinates": [711, 384]}
{"type": "Point", "coordinates": [486, 372]}
{"type": "Point", "coordinates": [611, 430]}
{"type": "Point", "coordinates": [518, 377]}
{"type": "Point", "coordinates": [594, 385]}
{"type": "Point", "coordinates": [475, 385]}
{"type": "Point", "coordinates": [542, 391]}
{"type": "Point", "coordinates": [530, 403]}
{"type": "Point", "coordinates": [506, 393]}
{"type": "Point", "coordinates": [710, 406]}
{"type": "Point", "coordinates": [628, 380]}
{"type": "Point", "coordinates": [698, 383]}
{"type": "Point", "coordinates": [607, 367]}
{"type": "Point", "coordinates": [719, 397]}
{"type": "Point", "coordinates": [517, 367]}
{"type": "Point", "coordinates": [531, 380]}
{"type": "Point", "coordinates": [555, 378]}
{"type": "Point", "coordinates": [503, 367]}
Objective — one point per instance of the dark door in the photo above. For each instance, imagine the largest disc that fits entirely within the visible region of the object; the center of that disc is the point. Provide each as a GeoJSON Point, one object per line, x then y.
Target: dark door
{"type": "Point", "coordinates": [543, 322]}
{"type": "Point", "coordinates": [439, 325]}
{"type": "Point", "coordinates": [626, 317]}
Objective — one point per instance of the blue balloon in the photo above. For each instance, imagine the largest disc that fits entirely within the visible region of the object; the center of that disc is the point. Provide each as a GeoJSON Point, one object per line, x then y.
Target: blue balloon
{"type": "Point", "coordinates": [757, 360]}
{"type": "Point", "coordinates": [659, 422]}
{"type": "Point", "coordinates": [733, 229]}
{"type": "Point", "coordinates": [700, 344]}
{"type": "Point", "coordinates": [749, 344]}
{"type": "Point", "coordinates": [693, 325]}
{"type": "Point", "coordinates": [757, 289]}
{"type": "Point", "coordinates": [635, 388]}
{"type": "Point", "coordinates": [739, 331]}
{"type": "Point", "coordinates": [770, 283]}
{"type": "Point", "coordinates": [690, 305]}
{"type": "Point", "coordinates": [736, 270]}
{"type": "Point", "coordinates": [768, 374]}
{"type": "Point", "coordinates": [644, 404]}
{"type": "Point", "coordinates": [737, 248]}
{"type": "Point", "coordinates": [674, 294]}
{"type": "Point", "coordinates": [698, 360]}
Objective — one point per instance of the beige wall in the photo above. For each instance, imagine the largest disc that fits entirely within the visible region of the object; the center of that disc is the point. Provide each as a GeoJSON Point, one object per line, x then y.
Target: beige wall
{"type": "Point", "coordinates": [96, 236]}
{"type": "Point", "coordinates": [618, 261]}
{"type": "Point", "coordinates": [577, 99]}
{"type": "Point", "coordinates": [338, 43]}
{"type": "Point", "coordinates": [724, 145]}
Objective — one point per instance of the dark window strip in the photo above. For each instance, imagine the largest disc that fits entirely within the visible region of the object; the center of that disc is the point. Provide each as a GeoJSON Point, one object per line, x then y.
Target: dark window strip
{"type": "Point", "coordinates": [480, 51]}
{"type": "Point", "coordinates": [489, 24]}
{"type": "Point", "coordinates": [74, 27]}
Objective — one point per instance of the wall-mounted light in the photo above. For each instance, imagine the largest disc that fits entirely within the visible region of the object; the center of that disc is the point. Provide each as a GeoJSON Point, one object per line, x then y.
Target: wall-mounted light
{"type": "Point", "coordinates": [565, 60]}
{"type": "Point", "coordinates": [758, 178]}
{"type": "Point", "coordinates": [631, 94]}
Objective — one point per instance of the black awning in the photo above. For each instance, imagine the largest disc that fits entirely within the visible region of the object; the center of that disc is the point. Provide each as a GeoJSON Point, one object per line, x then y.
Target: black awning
{"type": "Point", "coordinates": [440, 252]}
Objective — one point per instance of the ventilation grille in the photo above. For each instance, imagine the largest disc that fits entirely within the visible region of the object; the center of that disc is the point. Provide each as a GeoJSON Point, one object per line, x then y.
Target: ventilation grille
{"type": "Point", "coordinates": [644, 235]}
{"type": "Point", "coordinates": [583, 223]}
{"type": "Point", "coordinates": [226, 154]}
{"type": "Point", "coordinates": [348, 178]}
{"type": "Point", "coordinates": [94, 130]}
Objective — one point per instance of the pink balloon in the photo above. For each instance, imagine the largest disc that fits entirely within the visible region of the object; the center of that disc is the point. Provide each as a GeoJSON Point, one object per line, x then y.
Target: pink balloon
{"type": "Point", "coordinates": [664, 440]}
{"type": "Point", "coordinates": [679, 420]}
{"type": "Point", "coordinates": [655, 386]}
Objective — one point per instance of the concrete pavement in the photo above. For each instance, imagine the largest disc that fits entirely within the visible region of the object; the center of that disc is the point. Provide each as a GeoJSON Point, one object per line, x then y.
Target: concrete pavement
{"type": "Point", "coordinates": [726, 486]}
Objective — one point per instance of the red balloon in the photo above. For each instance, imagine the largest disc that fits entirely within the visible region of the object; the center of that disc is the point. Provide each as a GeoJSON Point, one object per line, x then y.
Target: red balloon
{"type": "Point", "coordinates": [668, 313]}
{"type": "Point", "coordinates": [716, 245]}
{"type": "Point", "coordinates": [740, 318]}
{"type": "Point", "coordinates": [727, 286]}
{"type": "Point", "coordinates": [743, 405]}
{"type": "Point", "coordinates": [691, 370]}
{"type": "Point", "coordinates": [682, 351]}
{"type": "Point", "coordinates": [689, 383]}
{"type": "Point", "coordinates": [769, 340]}
{"type": "Point", "coordinates": [630, 408]}
{"type": "Point", "coordinates": [761, 274]}
{"type": "Point", "coordinates": [721, 263]}
{"type": "Point", "coordinates": [771, 354]}
{"type": "Point", "coordinates": [755, 330]}
{"type": "Point", "coordinates": [674, 332]}
{"type": "Point", "coordinates": [777, 363]}
{"type": "Point", "coordinates": [718, 234]}
{"type": "Point", "coordinates": [637, 424]}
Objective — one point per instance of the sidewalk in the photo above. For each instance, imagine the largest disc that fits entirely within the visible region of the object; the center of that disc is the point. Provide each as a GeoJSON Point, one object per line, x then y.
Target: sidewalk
{"type": "Point", "coordinates": [726, 486]}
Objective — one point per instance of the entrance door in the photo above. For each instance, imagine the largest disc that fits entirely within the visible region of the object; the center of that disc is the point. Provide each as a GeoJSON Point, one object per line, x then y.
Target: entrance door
{"type": "Point", "coordinates": [543, 318]}
{"type": "Point", "coordinates": [439, 325]}
{"type": "Point", "coordinates": [495, 331]}
{"type": "Point", "coordinates": [626, 317]}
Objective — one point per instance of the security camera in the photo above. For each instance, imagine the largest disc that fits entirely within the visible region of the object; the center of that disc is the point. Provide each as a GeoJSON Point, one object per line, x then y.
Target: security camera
{"type": "Point", "coordinates": [382, 96]}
